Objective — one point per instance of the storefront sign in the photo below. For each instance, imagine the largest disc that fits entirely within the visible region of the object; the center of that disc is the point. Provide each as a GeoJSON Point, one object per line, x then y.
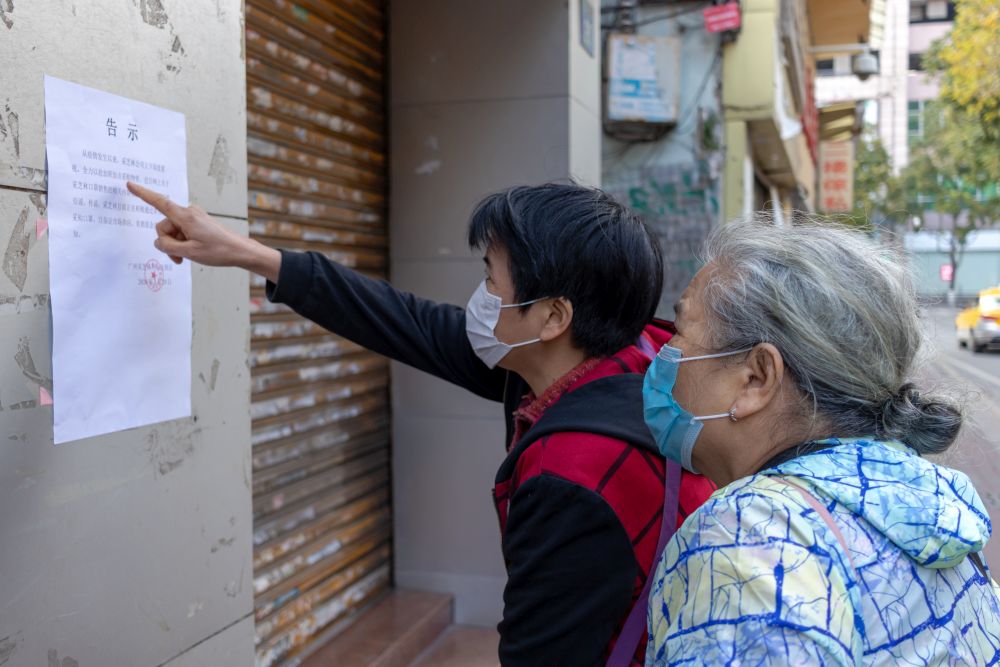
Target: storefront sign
{"type": "Point", "coordinates": [836, 176]}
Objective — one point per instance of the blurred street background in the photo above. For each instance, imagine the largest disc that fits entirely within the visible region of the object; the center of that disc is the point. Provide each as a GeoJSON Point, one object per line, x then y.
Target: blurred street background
{"type": "Point", "coordinates": [974, 379]}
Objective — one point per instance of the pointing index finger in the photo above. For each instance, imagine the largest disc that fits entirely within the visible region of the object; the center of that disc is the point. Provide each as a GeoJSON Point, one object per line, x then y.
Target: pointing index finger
{"type": "Point", "coordinates": [155, 199]}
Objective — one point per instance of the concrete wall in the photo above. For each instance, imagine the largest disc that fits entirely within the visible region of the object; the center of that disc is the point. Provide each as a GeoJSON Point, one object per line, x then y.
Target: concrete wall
{"type": "Point", "coordinates": [132, 548]}
{"type": "Point", "coordinates": [977, 271]}
{"type": "Point", "coordinates": [483, 95]}
{"type": "Point", "coordinates": [979, 268]}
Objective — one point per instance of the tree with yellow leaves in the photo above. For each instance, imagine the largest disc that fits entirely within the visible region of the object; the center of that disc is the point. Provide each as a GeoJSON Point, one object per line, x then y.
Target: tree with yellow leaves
{"type": "Point", "coordinates": [969, 61]}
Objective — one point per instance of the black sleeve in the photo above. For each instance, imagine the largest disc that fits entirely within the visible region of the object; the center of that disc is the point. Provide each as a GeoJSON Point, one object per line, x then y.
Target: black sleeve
{"type": "Point", "coordinates": [426, 335]}
{"type": "Point", "coordinates": [571, 572]}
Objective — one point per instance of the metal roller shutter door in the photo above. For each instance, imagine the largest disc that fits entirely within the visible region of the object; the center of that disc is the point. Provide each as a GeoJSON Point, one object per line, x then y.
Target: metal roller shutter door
{"type": "Point", "coordinates": [316, 150]}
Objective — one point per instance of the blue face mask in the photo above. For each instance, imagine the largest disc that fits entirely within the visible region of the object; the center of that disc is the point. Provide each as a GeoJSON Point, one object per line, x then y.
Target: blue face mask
{"type": "Point", "coordinates": [674, 428]}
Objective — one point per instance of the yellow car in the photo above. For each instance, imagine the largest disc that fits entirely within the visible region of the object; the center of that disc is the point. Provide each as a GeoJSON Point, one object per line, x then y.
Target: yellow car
{"type": "Point", "coordinates": [978, 327]}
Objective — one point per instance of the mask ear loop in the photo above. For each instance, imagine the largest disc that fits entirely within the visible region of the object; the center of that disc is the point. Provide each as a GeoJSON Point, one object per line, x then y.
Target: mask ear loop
{"type": "Point", "coordinates": [516, 305]}
{"type": "Point", "coordinates": [523, 303]}
{"type": "Point", "coordinates": [731, 414]}
{"type": "Point", "coordinates": [717, 355]}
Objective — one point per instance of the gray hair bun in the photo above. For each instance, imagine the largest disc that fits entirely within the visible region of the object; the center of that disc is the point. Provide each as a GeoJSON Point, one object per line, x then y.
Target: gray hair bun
{"type": "Point", "coordinates": [841, 308]}
{"type": "Point", "coordinates": [928, 425]}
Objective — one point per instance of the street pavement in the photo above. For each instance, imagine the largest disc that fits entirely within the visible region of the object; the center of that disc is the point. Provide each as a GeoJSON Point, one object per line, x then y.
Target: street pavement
{"type": "Point", "coordinates": [975, 380]}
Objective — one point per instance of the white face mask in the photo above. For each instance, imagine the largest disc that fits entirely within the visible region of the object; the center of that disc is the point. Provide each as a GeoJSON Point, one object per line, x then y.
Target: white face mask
{"type": "Point", "coordinates": [481, 317]}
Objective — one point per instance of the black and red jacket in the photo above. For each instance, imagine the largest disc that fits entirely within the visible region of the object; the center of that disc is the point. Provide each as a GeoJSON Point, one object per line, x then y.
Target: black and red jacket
{"type": "Point", "coordinates": [580, 505]}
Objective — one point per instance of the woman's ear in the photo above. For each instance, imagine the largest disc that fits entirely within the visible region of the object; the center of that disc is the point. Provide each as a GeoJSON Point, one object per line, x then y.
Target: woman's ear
{"type": "Point", "coordinates": [761, 375]}
{"type": "Point", "coordinates": [558, 320]}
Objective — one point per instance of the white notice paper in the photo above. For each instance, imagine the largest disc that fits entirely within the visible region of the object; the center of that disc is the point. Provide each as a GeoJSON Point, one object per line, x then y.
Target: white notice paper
{"type": "Point", "coordinates": [121, 310]}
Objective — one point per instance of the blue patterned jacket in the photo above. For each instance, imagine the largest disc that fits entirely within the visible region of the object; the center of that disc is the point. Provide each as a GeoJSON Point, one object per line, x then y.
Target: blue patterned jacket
{"type": "Point", "coordinates": [756, 577]}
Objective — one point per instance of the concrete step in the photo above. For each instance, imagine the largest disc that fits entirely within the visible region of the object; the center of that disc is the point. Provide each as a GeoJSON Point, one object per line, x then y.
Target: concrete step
{"type": "Point", "coordinates": [462, 646]}
{"type": "Point", "coordinates": [393, 633]}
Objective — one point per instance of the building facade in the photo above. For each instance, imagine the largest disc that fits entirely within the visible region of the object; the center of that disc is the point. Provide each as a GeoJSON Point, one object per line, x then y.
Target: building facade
{"type": "Point", "coordinates": [313, 477]}
{"type": "Point", "coordinates": [674, 180]}
{"type": "Point", "coordinates": [746, 127]}
{"type": "Point", "coordinates": [900, 91]}
{"type": "Point", "coordinates": [772, 114]}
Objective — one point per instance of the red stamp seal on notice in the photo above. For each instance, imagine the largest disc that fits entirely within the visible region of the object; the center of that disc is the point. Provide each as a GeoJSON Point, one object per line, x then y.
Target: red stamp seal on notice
{"type": "Point", "coordinates": [154, 275]}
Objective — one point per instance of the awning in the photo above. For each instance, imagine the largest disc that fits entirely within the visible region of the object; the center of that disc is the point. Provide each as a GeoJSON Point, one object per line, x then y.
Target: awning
{"type": "Point", "coordinates": [839, 22]}
{"type": "Point", "coordinates": [839, 122]}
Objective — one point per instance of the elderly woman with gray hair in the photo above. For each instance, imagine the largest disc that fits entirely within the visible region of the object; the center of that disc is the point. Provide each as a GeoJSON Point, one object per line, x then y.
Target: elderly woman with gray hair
{"type": "Point", "coordinates": [831, 540]}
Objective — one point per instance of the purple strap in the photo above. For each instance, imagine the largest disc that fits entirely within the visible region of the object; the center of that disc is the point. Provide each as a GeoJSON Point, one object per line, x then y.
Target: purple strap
{"type": "Point", "coordinates": [635, 624]}
{"type": "Point", "coordinates": [823, 514]}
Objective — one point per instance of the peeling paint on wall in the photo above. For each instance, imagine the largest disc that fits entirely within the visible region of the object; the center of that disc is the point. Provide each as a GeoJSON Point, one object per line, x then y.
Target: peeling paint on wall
{"type": "Point", "coordinates": [214, 375]}
{"type": "Point", "coordinates": [6, 9]}
{"type": "Point", "coordinates": [15, 305]}
{"type": "Point", "coordinates": [235, 587]}
{"type": "Point", "coordinates": [153, 13]}
{"type": "Point", "coordinates": [66, 661]}
{"type": "Point", "coordinates": [8, 645]}
{"type": "Point", "coordinates": [27, 364]}
{"type": "Point", "coordinates": [223, 542]}
{"type": "Point", "coordinates": [13, 125]}
{"type": "Point", "coordinates": [33, 178]}
{"type": "Point", "coordinates": [220, 167]}
{"type": "Point", "coordinates": [15, 258]}
{"type": "Point", "coordinates": [168, 453]}
{"type": "Point", "coordinates": [172, 59]}
{"type": "Point", "coordinates": [10, 126]}
{"type": "Point", "coordinates": [194, 608]}
{"type": "Point", "coordinates": [38, 199]}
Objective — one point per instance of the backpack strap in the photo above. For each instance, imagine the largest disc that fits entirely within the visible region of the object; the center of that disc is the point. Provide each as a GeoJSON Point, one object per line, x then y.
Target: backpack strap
{"type": "Point", "coordinates": [825, 515]}
{"type": "Point", "coordinates": [610, 406]}
{"type": "Point", "coordinates": [635, 625]}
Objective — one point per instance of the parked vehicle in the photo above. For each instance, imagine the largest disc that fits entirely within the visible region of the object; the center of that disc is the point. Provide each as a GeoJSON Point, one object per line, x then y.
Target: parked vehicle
{"type": "Point", "coordinates": [978, 327]}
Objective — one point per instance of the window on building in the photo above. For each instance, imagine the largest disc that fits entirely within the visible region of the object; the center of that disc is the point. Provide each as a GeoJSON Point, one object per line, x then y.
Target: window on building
{"type": "Point", "coordinates": [915, 118]}
{"type": "Point", "coordinates": [926, 11]}
{"type": "Point", "coordinates": [916, 62]}
{"type": "Point", "coordinates": [825, 67]}
{"type": "Point", "coordinates": [937, 10]}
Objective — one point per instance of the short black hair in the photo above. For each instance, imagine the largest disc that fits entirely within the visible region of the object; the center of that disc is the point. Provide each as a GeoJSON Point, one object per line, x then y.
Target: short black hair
{"type": "Point", "coordinates": [576, 242]}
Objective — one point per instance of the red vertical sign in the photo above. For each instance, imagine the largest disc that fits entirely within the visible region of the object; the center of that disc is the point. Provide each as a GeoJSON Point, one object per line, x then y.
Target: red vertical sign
{"type": "Point", "coordinates": [836, 176]}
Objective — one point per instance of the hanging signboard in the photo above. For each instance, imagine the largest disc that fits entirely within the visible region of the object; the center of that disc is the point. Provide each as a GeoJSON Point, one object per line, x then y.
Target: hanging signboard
{"type": "Point", "coordinates": [836, 176]}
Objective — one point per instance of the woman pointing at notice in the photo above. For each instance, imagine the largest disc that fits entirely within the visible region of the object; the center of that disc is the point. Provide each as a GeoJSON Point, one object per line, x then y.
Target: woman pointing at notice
{"type": "Point", "coordinates": [560, 332]}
